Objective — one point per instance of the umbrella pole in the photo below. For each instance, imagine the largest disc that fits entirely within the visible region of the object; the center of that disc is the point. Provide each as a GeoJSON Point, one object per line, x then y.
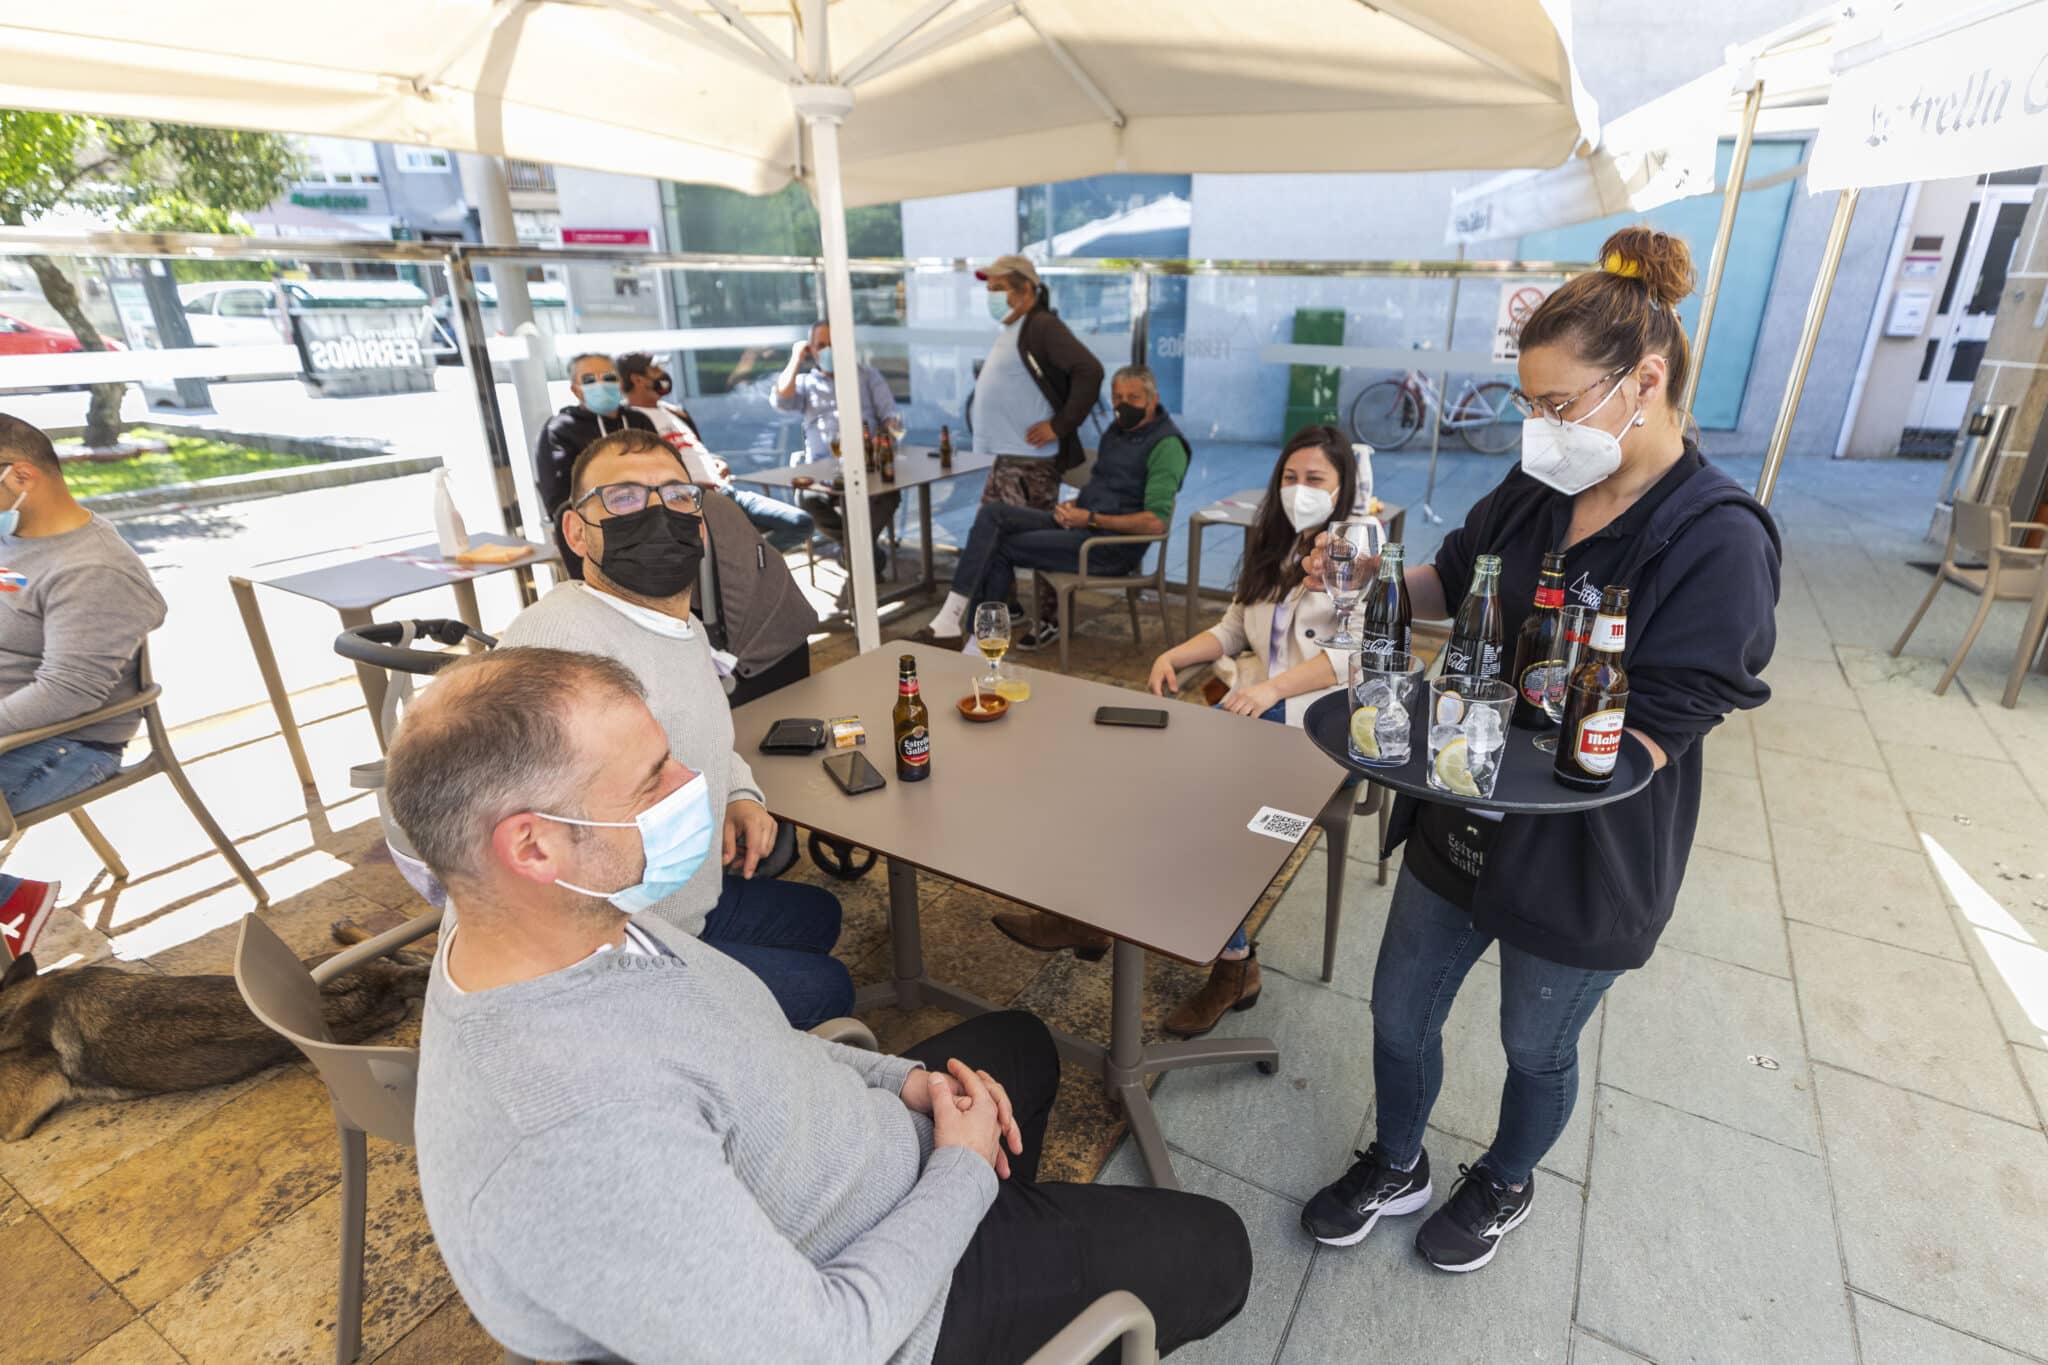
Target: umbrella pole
{"type": "Point", "coordinates": [1809, 336]}
{"type": "Point", "coordinates": [1738, 171]}
{"type": "Point", "coordinates": [822, 107]}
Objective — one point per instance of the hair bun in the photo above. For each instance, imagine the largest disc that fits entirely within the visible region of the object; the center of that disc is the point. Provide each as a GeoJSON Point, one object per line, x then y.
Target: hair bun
{"type": "Point", "coordinates": [1662, 262]}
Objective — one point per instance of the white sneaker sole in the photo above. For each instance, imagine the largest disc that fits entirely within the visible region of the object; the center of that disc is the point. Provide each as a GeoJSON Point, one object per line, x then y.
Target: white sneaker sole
{"type": "Point", "coordinates": [1393, 1208]}
{"type": "Point", "coordinates": [1470, 1266]}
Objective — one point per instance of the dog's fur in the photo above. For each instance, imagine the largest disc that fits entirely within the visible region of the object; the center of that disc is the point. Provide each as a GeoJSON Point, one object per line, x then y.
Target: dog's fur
{"type": "Point", "coordinates": [101, 1033]}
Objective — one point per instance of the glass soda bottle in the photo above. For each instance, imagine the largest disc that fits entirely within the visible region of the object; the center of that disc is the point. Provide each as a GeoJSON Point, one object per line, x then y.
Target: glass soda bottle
{"type": "Point", "coordinates": [1539, 648]}
{"type": "Point", "coordinates": [1476, 635]}
{"type": "Point", "coordinates": [1384, 625]}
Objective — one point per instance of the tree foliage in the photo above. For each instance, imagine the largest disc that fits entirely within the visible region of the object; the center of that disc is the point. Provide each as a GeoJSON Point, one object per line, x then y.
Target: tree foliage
{"type": "Point", "coordinates": [135, 174]}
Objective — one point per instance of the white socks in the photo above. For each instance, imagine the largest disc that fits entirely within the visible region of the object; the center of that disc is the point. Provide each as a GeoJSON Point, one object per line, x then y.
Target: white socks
{"type": "Point", "coordinates": [948, 621]}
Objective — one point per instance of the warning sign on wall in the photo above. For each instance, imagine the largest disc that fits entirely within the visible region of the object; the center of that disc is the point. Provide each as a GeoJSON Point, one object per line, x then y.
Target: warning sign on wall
{"type": "Point", "coordinates": [1517, 302]}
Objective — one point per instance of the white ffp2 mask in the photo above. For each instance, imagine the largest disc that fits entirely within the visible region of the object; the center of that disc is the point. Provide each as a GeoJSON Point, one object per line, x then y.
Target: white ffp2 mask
{"type": "Point", "coordinates": [1571, 456]}
{"type": "Point", "coordinates": [1306, 506]}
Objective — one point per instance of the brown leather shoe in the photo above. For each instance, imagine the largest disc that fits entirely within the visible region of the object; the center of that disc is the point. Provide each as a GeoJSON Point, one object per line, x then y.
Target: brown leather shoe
{"type": "Point", "coordinates": [1231, 986]}
{"type": "Point", "coordinates": [1050, 933]}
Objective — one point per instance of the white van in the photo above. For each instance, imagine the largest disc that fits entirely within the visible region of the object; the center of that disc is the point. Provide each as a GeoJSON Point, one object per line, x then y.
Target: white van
{"type": "Point", "coordinates": [233, 313]}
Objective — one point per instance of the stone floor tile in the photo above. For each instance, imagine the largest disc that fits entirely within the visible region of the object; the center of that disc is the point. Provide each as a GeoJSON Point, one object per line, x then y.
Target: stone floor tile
{"type": "Point", "coordinates": [1728, 908]}
{"type": "Point", "coordinates": [1731, 747]}
{"type": "Point", "coordinates": [1704, 1244]}
{"type": "Point", "coordinates": [135, 1344]}
{"type": "Point", "coordinates": [1475, 1067]}
{"type": "Point", "coordinates": [1875, 670]}
{"type": "Point", "coordinates": [1939, 1208]}
{"type": "Point", "coordinates": [1892, 1337]}
{"type": "Point", "coordinates": [446, 1336]}
{"type": "Point", "coordinates": [1917, 1021]}
{"type": "Point", "coordinates": [1281, 1252]}
{"type": "Point", "coordinates": [2033, 1064]}
{"type": "Point", "coordinates": [84, 1140]}
{"type": "Point", "coordinates": [1816, 681]}
{"type": "Point", "coordinates": [1899, 713]}
{"type": "Point", "coordinates": [274, 1298]}
{"type": "Point", "coordinates": [1588, 1349]}
{"type": "Point", "coordinates": [1857, 887]}
{"type": "Point", "coordinates": [1981, 790]}
{"type": "Point", "coordinates": [1689, 1032]}
{"type": "Point", "coordinates": [1291, 940]}
{"type": "Point", "coordinates": [1379, 1301]}
{"type": "Point", "coordinates": [2011, 867]}
{"type": "Point", "coordinates": [1816, 794]}
{"type": "Point", "coordinates": [1732, 815]}
{"type": "Point", "coordinates": [168, 1213]}
{"type": "Point", "coordinates": [2014, 973]}
{"type": "Point", "coordinates": [1287, 1131]}
{"type": "Point", "coordinates": [62, 1308]}
{"type": "Point", "coordinates": [1803, 727]}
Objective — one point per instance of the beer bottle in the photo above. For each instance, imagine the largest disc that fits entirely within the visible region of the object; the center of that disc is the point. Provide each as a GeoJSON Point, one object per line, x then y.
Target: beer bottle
{"type": "Point", "coordinates": [1540, 646]}
{"type": "Point", "coordinates": [867, 445]}
{"type": "Point", "coordinates": [945, 447]}
{"type": "Point", "coordinates": [1383, 627]}
{"type": "Point", "coordinates": [913, 725]}
{"type": "Point", "coordinates": [888, 455]}
{"type": "Point", "coordinates": [1589, 740]}
{"type": "Point", "coordinates": [1475, 646]}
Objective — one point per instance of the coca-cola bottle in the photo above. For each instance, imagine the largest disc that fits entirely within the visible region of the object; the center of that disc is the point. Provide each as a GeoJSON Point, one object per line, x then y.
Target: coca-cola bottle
{"type": "Point", "coordinates": [1383, 628]}
{"type": "Point", "coordinates": [1539, 648]}
{"type": "Point", "coordinates": [1476, 634]}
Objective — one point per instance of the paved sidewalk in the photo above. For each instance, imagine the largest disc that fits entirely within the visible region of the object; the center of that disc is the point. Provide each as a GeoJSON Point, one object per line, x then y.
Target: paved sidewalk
{"type": "Point", "coordinates": [1810, 1130]}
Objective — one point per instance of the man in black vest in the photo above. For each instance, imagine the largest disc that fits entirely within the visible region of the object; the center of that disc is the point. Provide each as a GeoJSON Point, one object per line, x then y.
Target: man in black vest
{"type": "Point", "coordinates": [1138, 471]}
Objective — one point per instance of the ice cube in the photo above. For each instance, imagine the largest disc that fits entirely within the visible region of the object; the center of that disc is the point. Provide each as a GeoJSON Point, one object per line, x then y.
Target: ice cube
{"type": "Point", "coordinates": [1376, 692]}
{"type": "Point", "coordinates": [1442, 735]}
{"type": "Point", "coordinates": [1483, 730]}
{"type": "Point", "coordinates": [1390, 728]}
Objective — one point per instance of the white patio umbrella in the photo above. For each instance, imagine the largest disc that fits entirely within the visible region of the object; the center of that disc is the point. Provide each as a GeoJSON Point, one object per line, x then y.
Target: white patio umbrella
{"type": "Point", "coordinates": [935, 96]}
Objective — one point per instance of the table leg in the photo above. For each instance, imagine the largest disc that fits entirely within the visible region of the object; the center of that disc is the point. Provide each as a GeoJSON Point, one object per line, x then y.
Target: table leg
{"type": "Point", "coordinates": [273, 681]}
{"type": "Point", "coordinates": [465, 604]}
{"type": "Point", "coordinates": [1195, 525]}
{"type": "Point", "coordinates": [375, 684]}
{"type": "Point", "coordinates": [924, 533]}
{"type": "Point", "coordinates": [911, 987]}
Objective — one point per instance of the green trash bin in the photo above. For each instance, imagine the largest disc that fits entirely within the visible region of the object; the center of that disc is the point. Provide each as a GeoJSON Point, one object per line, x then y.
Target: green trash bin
{"type": "Point", "coordinates": [1312, 389]}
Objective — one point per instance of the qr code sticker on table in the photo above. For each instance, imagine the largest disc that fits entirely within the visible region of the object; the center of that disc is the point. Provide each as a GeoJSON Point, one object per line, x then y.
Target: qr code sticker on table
{"type": "Point", "coordinates": [1280, 824]}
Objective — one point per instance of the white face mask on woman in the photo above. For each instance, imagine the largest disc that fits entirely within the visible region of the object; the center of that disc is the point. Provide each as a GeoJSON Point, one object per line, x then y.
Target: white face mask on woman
{"type": "Point", "coordinates": [1571, 456]}
{"type": "Point", "coordinates": [1306, 506]}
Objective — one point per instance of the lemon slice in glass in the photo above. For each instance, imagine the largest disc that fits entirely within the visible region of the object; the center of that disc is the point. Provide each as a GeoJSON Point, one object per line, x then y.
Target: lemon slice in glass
{"type": "Point", "coordinates": [1362, 737]}
{"type": "Point", "coordinates": [1451, 769]}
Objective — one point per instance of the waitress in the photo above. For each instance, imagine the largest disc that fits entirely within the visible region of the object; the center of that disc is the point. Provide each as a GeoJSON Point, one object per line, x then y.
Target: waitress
{"type": "Point", "coordinates": [1609, 475]}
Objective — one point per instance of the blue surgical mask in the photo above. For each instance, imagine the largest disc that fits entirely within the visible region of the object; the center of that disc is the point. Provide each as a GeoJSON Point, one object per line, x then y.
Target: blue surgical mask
{"type": "Point", "coordinates": [603, 398]}
{"type": "Point", "coordinates": [675, 835]}
{"type": "Point", "coordinates": [825, 359]}
{"type": "Point", "coordinates": [11, 518]}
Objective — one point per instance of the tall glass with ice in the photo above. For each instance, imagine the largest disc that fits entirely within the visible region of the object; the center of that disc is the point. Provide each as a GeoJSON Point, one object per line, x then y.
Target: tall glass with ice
{"type": "Point", "coordinates": [1383, 691]}
{"type": "Point", "coordinates": [1468, 729]}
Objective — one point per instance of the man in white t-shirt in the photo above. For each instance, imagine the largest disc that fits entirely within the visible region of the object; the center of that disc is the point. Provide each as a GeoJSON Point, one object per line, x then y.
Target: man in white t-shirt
{"type": "Point", "coordinates": [646, 382]}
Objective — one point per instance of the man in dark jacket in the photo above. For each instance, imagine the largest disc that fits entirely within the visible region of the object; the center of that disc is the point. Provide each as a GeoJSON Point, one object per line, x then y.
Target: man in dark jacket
{"type": "Point", "coordinates": [1034, 391]}
{"type": "Point", "coordinates": [599, 410]}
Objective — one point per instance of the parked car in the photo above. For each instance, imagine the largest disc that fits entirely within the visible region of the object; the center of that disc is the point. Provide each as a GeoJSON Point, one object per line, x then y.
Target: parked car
{"type": "Point", "coordinates": [25, 338]}
{"type": "Point", "coordinates": [232, 313]}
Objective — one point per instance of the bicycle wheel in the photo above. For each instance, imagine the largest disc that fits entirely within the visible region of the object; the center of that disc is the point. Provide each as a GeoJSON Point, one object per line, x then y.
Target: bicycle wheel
{"type": "Point", "coordinates": [1486, 419]}
{"type": "Point", "coordinates": [1386, 415]}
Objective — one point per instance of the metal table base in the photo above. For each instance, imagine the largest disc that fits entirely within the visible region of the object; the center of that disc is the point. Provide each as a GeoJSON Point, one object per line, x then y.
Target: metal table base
{"type": "Point", "coordinates": [1124, 1065]}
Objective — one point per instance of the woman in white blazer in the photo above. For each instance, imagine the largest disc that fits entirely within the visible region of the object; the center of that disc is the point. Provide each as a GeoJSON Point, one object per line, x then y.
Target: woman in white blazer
{"type": "Point", "coordinates": [1270, 648]}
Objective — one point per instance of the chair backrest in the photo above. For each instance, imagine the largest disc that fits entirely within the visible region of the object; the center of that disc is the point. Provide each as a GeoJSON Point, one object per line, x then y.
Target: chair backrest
{"type": "Point", "coordinates": [1078, 476]}
{"type": "Point", "coordinates": [373, 1087]}
{"type": "Point", "coordinates": [1980, 527]}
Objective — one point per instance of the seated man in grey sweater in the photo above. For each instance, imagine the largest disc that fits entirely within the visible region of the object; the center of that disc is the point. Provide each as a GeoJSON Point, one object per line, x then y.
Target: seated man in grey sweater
{"type": "Point", "coordinates": [634, 518]}
{"type": "Point", "coordinates": [625, 1152]}
{"type": "Point", "coordinates": [75, 605]}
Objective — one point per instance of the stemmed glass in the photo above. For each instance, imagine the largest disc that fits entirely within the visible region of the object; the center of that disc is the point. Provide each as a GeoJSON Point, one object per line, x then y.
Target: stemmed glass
{"type": "Point", "coordinates": [1346, 565]}
{"type": "Point", "coordinates": [1574, 628]}
{"type": "Point", "coordinates": [992, 638]}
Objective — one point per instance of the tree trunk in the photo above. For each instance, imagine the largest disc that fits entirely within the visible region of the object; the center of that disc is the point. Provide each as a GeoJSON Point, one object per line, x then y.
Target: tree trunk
{"type": "Point", "coordinates": [103, 414]}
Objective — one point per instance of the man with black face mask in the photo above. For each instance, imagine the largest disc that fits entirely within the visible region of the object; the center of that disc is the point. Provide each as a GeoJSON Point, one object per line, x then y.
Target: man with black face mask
{"type": "Point", "coordinates": [1139, 466]}
{"type": "Point", "coordinates": [634, 516]}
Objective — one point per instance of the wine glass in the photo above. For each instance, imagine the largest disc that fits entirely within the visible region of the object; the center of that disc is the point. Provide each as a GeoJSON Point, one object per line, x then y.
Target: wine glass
{"type": "Point", "coordinates": [1574, 628]}
{"type": "Point", "coordinates": [1346, 563]}
{"type": "Point", "coordinates": [992, 638]}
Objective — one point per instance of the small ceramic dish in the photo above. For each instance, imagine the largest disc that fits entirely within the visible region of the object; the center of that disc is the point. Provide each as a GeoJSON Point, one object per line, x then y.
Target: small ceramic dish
{"type": "Point", "coordinates": [993, 707]}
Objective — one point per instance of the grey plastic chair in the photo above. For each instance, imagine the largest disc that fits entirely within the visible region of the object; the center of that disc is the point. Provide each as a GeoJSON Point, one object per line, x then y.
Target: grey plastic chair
{"type": "Point", "coordinates": [1335, 820]}
{"type": "Point", "coordinates": [1983, 531]}
{"type": "Point", "coordinates": [160, 759]}
{"type": "Point", "coordinates": [1117, 1316]}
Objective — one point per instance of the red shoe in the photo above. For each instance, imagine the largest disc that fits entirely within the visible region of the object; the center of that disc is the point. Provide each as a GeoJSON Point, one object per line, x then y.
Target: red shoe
{"type": "Point", "coordinates": [22, 917]}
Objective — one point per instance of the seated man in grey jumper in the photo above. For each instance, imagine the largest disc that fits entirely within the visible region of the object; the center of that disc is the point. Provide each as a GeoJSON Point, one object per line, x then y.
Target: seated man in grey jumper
{"type": "Point", "coordinates": [627, 1154]}
{"type": "Point", "coordinates": [635, 519]}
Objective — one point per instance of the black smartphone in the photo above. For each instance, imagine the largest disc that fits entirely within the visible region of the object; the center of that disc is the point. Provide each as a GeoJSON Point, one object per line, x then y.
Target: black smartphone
{"type": "Point", "coordinates": [1142, 718]}
{"type": "Point", "coordinates": [854, 773]}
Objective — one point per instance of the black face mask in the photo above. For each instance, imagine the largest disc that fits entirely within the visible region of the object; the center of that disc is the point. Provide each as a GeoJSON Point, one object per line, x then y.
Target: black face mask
{"type": "Point", "coordinates": [662, 384]}
{"type": "Point", "coordinates": [653, 552]}
{"type": "Point", "coordinates": [1129, 417]}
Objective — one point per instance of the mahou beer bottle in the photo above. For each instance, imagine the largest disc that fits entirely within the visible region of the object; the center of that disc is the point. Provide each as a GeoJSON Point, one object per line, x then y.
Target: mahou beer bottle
{"type": "Point", "coordinates": [1475, 647]}
{"type": "Point", "coordinates": [1383, 626]}
{"type": "Point", "coordinates": [913, 725]}
{"type": "Point", "coordinates": [1540, 646]}
{"type": "Point", "coordinates": [1595, 699]}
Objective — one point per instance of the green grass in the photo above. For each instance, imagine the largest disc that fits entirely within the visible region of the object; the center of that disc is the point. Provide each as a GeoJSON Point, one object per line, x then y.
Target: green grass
{"type": "Point", "coordinates": [188, 458]}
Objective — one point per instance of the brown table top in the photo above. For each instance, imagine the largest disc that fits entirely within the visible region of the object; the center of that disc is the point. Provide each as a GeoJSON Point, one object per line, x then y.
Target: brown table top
{"type": "Point", "coordinates": [1240, 507]}
{"type": "Point", "coordinates": [1140, 833]}
{"type": "Point", "coordinates": [914, 465]}
{"type": "Point", "coordinates": [376, 579]}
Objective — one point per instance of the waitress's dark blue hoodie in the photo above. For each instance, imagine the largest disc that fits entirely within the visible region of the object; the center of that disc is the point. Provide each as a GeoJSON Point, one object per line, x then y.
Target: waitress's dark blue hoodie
{"type": "Point", "coordinates": [1596, 889]}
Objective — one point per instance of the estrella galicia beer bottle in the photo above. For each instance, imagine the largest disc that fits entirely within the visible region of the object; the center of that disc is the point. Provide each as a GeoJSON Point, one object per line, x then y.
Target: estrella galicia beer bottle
{"type": "Point", "coordinates": [1539, 649]}
{"type": "Point", "coordinates": [1384, 622]}
{"type": "Point", "coordinates": [1474, 650]}
{"type": "Point", "coordinates": [1595, 701]}
{"type": "Point", "coordinates": [913, 725]}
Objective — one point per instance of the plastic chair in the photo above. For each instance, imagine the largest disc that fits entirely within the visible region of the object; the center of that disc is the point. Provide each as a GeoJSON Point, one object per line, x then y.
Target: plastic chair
{"type": "Point", "coordinates": [1117, 1316]}
{"type": "Point", "coordinates": [1065, 584]}
{"type": "Point", "coordinates": [1982, 530]}
{"type": "Point", "coordinates": [1335, 820]}
{"type": "Point", "coordinates": [160, 759]}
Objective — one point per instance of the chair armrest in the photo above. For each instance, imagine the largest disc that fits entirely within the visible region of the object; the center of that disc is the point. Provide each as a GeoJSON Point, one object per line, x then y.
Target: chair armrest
{"type": "Point", "coordinates": [2027, 526]}
{"type": "Point", "coordinates": [851, 1032]}
{"type": "Point", "coordinates": [390, 941]}
{"type": "Point", "coordinates": [129, 706]}
{"type": "Point", "coordinates": [1094, 541]}
{"type": "Point", "coordinates": [1116, 1316]}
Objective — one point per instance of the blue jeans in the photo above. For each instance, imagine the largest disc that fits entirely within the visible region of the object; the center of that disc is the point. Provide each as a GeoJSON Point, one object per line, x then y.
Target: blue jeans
{"type": "Point", "coordinates": [1429, 946]}
{"type": "Point", "coordinates": [783, 524]}
{"type": "Point", "coordinates": [783, 932]}
{"type": "Point", "coordinates": [1006, 539]}
{"type": "Point", "coordinates": [50, 770]}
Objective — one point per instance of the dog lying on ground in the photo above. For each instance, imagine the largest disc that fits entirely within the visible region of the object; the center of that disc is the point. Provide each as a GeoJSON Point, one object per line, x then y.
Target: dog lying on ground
{"type": "Point", "coordinates": [100, 1033]}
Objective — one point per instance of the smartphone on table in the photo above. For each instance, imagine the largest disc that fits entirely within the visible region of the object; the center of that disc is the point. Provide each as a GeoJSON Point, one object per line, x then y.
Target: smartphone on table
{"type": "Point", "coordinates": [1138, 717]}
{"type": "Point", "coordinates": [853, 773]}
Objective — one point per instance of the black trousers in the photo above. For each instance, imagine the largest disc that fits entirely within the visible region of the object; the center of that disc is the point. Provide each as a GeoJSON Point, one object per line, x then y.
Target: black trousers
{"type": "Point", "coordinates": [1045, 1252]}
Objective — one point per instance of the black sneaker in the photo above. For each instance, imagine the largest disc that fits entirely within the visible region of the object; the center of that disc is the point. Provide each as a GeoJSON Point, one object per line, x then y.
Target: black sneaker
{"type": "Point", "coordinates": [1041, 635]}
{"type": "Point", "coordinates": [1466, 1231]}
{"type": "Point", "coordinates": [1341, 1214]}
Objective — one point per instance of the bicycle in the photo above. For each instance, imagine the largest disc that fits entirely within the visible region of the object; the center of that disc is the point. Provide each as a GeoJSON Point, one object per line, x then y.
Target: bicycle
{"type": "Point", "coordinates": [1387, 414]}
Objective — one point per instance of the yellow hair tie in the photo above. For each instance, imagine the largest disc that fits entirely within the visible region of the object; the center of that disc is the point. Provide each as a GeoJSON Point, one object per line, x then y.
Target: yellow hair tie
{"type": "Point", "coordinates": [1615, 265]}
